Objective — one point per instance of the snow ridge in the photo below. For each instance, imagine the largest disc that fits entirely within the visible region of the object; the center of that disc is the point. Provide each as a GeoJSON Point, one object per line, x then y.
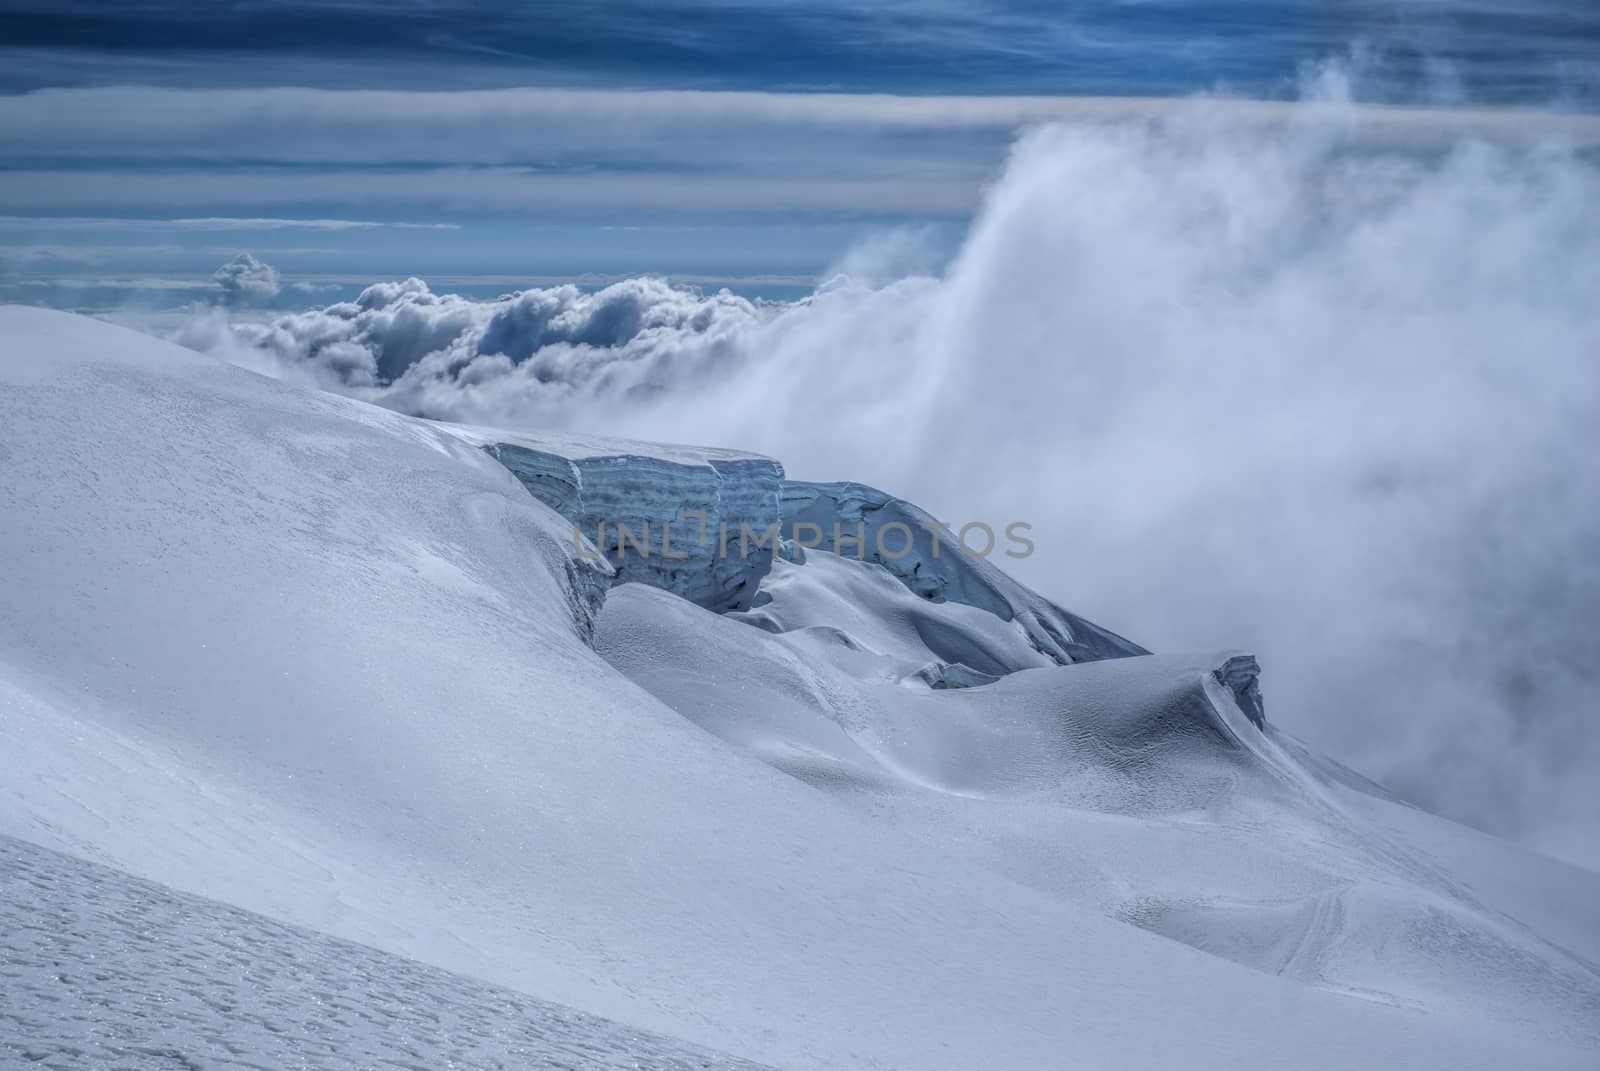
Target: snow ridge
{"type": "Point", "coordinates": [936, 566]}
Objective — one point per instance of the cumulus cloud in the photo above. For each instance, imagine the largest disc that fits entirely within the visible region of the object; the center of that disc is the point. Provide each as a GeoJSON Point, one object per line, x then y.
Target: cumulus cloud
{"type": "Point", "coordinates": [405, 346]}
{"type": "Point", "coordinates": [1259, 385]}
{"type": "Point", "coordinates": [247, 281]}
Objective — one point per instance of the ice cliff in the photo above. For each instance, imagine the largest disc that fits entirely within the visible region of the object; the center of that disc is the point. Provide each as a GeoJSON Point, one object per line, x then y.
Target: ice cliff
{"type": "Point", "coordinates": [700, 523]}
{"type": "Point", "coordinates": [1241, 674]}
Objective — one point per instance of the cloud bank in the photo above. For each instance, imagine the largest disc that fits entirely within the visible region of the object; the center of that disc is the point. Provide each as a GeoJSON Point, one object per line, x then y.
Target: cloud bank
{"type": "Point", "coordinates": [1269, 385]}
{"type": "Point", "coordinates": [406, 347]}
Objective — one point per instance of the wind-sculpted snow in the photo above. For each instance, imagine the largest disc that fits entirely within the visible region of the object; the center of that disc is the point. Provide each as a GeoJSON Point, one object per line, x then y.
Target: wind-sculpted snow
{"type": "Point", "coordinates": [844, 599]}
{"type": "Point", "coordinates": [939, 564]}
{"type": "Point", "coordinates": [102, 969]}
{"type": "Point", "coordinates": [1310, 892]}
{"type": "Point", "coordinates": [325, 663]}
{"type": "Point", "coordinates": [780, 695]}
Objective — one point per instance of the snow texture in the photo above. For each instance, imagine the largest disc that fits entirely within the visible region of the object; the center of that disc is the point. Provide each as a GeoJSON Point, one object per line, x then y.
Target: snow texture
{"type": "Point", "coordinates": [102, 969]}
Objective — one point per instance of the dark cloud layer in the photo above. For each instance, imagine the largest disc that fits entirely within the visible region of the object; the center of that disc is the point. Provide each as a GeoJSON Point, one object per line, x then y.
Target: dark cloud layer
{"type": "Point", "coordinates": [903, 45]}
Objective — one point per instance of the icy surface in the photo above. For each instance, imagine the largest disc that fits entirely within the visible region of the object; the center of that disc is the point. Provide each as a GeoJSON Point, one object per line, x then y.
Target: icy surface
{"type": "Point", "coordinates": [327, 664]}
{"type": "Point", "coordinates": [935, 566]}
{"type": "Point", "coordinates": [100, 969]}
{"type": "Point", "coordinates": [691, 521]}
{"type": "Point", "coordinates": [1241, 675]}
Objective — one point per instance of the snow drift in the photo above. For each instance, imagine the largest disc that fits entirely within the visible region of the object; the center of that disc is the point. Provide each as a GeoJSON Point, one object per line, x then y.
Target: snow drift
{"type": "Point", "coordinates": [924, 555]}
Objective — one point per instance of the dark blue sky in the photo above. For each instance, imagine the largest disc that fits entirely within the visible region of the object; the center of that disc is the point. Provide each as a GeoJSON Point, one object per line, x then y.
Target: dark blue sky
{"type": "Point", "coordinates": [919, 46]}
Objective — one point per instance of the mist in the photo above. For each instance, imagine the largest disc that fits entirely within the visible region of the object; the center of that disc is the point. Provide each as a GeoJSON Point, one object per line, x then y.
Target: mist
{"type": "Point", "coordinates": [1281, 386]}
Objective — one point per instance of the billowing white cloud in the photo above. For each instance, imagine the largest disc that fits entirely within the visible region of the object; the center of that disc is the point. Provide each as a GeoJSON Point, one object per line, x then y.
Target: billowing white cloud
{"type": "Point", "coordinates": [401, 339]}
{"type": "Point", "coordinates": [247, 281]}
{"type": "Point", "coordinates": [1257, 385]}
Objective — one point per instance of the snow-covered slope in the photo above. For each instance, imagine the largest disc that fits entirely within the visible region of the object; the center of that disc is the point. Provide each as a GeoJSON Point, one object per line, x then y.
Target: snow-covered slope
{"type": "Point", "coordinates": [324, 663]}
{"type": "Point", "coordinates": [1138, 788]}
{"type": "Point", "coordinates": [104, 970]}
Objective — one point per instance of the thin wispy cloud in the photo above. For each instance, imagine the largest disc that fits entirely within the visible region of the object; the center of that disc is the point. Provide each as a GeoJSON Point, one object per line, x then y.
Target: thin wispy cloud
{"type": "Point", "coordinates": [208, 223]}
{"type": "Point", "coordinates": [530, 124]}
{"type": "Point", "coordinates": [132, 153]}
{"type": "Point", "coordinates": [486, 192]}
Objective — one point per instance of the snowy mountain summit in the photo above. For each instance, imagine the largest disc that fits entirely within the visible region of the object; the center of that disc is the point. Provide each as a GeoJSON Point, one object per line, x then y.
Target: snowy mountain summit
{"type": "Point", "coordinates": [334, 737]}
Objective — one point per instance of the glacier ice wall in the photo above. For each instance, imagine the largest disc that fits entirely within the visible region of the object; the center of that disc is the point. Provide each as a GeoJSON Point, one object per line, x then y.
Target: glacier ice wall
{"type": "Point", "coordinates": [698, 523]}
